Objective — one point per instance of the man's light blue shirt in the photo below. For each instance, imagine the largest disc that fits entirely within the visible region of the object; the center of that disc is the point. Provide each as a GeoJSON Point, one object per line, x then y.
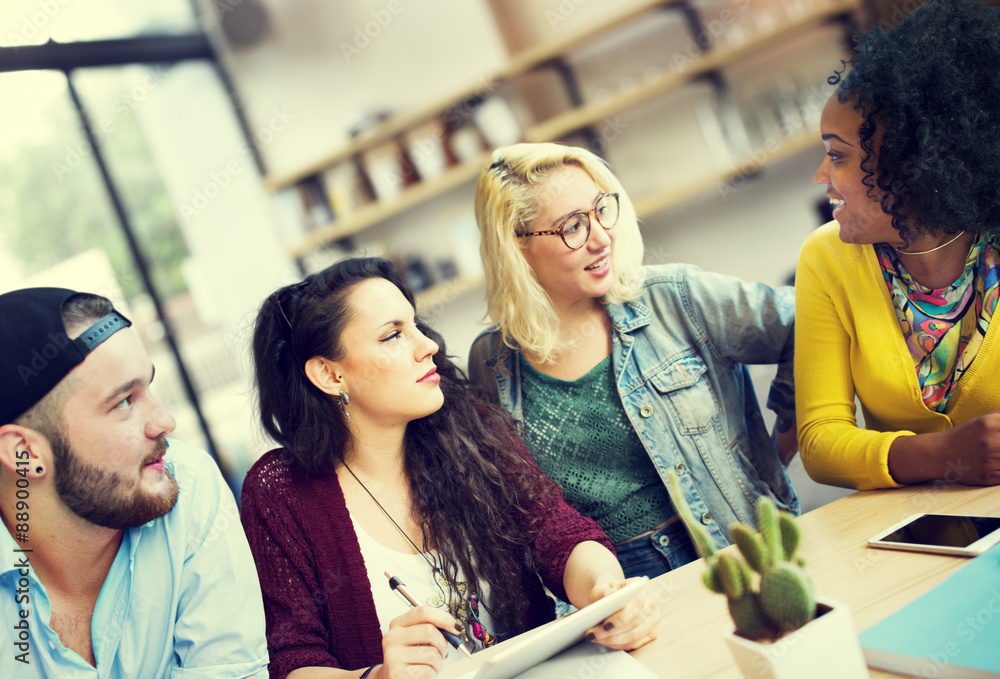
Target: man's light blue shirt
{"type": "Point", "coordinates": [181, 600]}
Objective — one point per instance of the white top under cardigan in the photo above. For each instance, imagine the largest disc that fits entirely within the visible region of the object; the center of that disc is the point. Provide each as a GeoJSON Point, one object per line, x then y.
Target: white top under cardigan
{"type": "Point", "coordinates": [418, 577]}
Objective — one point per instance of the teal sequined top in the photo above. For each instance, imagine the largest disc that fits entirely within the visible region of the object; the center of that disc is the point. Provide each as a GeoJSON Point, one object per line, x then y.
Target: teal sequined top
{"type": "Point", "coordinates": [579, 434]}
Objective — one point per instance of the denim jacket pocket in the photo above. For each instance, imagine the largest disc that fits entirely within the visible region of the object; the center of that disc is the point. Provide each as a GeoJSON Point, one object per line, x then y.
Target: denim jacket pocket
{"type": "Point", "coordinates": [687, 394]}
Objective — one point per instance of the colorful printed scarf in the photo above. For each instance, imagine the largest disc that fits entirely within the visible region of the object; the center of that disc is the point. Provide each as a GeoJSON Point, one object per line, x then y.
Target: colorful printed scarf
{"type": "Point", "coordinates": [944, 328]}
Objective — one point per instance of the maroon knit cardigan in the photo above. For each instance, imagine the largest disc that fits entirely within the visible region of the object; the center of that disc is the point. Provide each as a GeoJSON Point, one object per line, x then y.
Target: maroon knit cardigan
{"type": "Point", "coordinates": [317, 597]}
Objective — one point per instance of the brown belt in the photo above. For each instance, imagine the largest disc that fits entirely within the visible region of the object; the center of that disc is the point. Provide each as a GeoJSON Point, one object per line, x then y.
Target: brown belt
{"type": "Point", "coordinates": [672, 519]}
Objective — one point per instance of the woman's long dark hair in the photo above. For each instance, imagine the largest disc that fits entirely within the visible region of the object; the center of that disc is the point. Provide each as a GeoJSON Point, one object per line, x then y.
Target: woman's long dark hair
{"type": "Point", "coordinates": [470, 486]}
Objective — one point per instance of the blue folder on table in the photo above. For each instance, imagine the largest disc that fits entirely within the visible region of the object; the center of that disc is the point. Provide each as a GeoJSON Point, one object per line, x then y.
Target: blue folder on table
{"type": "Point", "coordinates": [951, 632]}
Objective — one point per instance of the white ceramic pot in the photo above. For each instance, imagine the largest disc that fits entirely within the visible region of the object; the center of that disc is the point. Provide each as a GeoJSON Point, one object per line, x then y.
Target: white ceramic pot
{"type": "Point", "coordinates": [825, 648]}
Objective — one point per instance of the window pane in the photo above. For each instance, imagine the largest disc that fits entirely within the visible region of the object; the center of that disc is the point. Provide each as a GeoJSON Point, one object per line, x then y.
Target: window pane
{"type": "Point", "coordinates": [56, 220]}
{"type": "Point", "coordinates": [33, 22]}
{"type": "Point", "coordinates": [52, 203]}
{"type": "Point", "coordinates": [190, 187]}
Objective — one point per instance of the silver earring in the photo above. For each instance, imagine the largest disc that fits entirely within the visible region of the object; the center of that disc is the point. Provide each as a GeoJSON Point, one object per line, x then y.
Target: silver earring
{"type": "Point", "coordinates": [343, 401]}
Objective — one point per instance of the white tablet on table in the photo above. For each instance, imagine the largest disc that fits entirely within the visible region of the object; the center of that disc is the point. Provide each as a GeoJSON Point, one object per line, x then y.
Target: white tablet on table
{"type": "Point", "coordinates": [952, 534]}
{"type": "Point", "coordinates": [547, 641]}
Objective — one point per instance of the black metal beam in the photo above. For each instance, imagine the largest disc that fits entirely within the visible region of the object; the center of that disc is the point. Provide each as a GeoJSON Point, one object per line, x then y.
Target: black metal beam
{"type": "Point", "coordinates": [65, 57]}
{"type": "Point", "coordinates": [140, 262]}
{"type": "Point", "coordinates": [150, 49]}
{"type": "Point", "coordinates": [696, 26]}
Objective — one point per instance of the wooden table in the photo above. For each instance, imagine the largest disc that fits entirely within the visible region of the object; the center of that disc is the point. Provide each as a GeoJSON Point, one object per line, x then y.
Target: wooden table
{"type": "Point", "coordinates": [872, 582]}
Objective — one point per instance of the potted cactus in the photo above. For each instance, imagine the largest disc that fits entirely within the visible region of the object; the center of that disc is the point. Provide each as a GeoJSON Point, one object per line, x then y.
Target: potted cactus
{"type": "Point", "coordinates": [782, 631]}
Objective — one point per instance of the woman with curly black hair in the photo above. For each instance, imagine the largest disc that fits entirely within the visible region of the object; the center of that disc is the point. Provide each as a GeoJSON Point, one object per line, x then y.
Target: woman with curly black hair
{"type": "Point", "coordinates": [895, 299]}
{"type": "Point", "coordinates": [390, 464]}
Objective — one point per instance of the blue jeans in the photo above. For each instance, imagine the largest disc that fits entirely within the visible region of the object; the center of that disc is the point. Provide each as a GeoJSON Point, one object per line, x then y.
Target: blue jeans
{"type": "Point", "coordinates": [652, 555]}
{"type": "Point", "coordinates": [656, 553]}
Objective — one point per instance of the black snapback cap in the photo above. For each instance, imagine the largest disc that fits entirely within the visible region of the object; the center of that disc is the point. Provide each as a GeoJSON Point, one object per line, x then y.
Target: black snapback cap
{"type": "Point", "coordinates": [35, 351]}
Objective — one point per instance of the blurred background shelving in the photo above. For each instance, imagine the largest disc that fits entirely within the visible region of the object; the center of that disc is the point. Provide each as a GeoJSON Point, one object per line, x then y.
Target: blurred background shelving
{"type": "Point", "coordinates": [708, 61]}
{"type": "Point", "coordinates": [242, 144]}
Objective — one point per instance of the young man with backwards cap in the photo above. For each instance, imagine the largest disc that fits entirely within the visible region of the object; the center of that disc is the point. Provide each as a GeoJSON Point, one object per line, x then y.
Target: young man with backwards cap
{"type": "Point", "coordinates": [123, 554]}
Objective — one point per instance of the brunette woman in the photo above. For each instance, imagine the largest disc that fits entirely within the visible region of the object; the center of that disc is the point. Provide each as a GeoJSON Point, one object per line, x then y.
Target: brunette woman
{"type": "Point", "coordinates": [389, 465]}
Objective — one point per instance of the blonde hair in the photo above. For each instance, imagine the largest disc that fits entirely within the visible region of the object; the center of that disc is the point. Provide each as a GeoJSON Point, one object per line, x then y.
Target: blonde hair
{"type": "Point", "coordinates": [506, 206]}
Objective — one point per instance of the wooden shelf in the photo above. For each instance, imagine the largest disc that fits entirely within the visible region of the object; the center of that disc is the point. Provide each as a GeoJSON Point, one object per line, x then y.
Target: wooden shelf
{"type": "Point", "coordinates": [388, 130]}
{"type": "Point", "coordinates": [554, 128]}
{"type": "Point", "coordinates": [446, 292]}
{"type": "Point", "coordinates": [373, 213]}
{"type": "Point", "coordinates": [661, 200]}
{"type": "Point", "coordinates": [520, 63]}
{"type": "Point", "coordinates": [578, 118]}
{"type": "Point", "coordinates": [532, 57]}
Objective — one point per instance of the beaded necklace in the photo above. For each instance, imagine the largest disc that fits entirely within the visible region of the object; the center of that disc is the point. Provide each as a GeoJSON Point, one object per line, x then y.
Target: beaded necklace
{"type": "Point", "coordinates": [478, 630]}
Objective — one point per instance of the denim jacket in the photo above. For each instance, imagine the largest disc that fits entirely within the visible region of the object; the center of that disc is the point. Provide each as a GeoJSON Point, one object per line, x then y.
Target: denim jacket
{"type": "Point", "coordinates": [679, 353]}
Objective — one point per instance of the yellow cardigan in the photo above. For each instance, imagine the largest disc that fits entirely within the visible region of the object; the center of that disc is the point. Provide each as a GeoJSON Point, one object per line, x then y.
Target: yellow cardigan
{"type": "Point", "coordinates": [848, 342]}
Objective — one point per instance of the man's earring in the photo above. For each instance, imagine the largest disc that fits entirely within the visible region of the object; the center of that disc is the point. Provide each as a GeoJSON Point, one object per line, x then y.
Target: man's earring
{"type": "Point", "coordinates": [343, 401]}
{"type": "Point", "coordinates": [39, 469]}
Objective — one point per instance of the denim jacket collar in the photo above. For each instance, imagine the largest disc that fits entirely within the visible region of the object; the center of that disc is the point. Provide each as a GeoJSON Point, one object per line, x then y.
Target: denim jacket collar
{"type": "Point", "coordinates": [629, 317]}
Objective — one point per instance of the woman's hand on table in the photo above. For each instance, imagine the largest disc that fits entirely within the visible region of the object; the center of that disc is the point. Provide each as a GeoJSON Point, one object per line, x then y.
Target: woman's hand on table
{"type": "Point", "coordinates": [635, 625]}
{"type": "Point", "coordinates": [975, 451]}
{"type": "Point", "coordinates": [969, 453]}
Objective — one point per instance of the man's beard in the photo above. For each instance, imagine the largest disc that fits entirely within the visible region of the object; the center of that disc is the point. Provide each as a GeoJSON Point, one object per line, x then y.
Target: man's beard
{"type": "Point", "coordinates": [100, 497]}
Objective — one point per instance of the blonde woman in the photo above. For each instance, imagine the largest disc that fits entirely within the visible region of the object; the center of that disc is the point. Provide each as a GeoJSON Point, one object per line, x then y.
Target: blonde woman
{"type": "Point", "coordinates": [616, 372]}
